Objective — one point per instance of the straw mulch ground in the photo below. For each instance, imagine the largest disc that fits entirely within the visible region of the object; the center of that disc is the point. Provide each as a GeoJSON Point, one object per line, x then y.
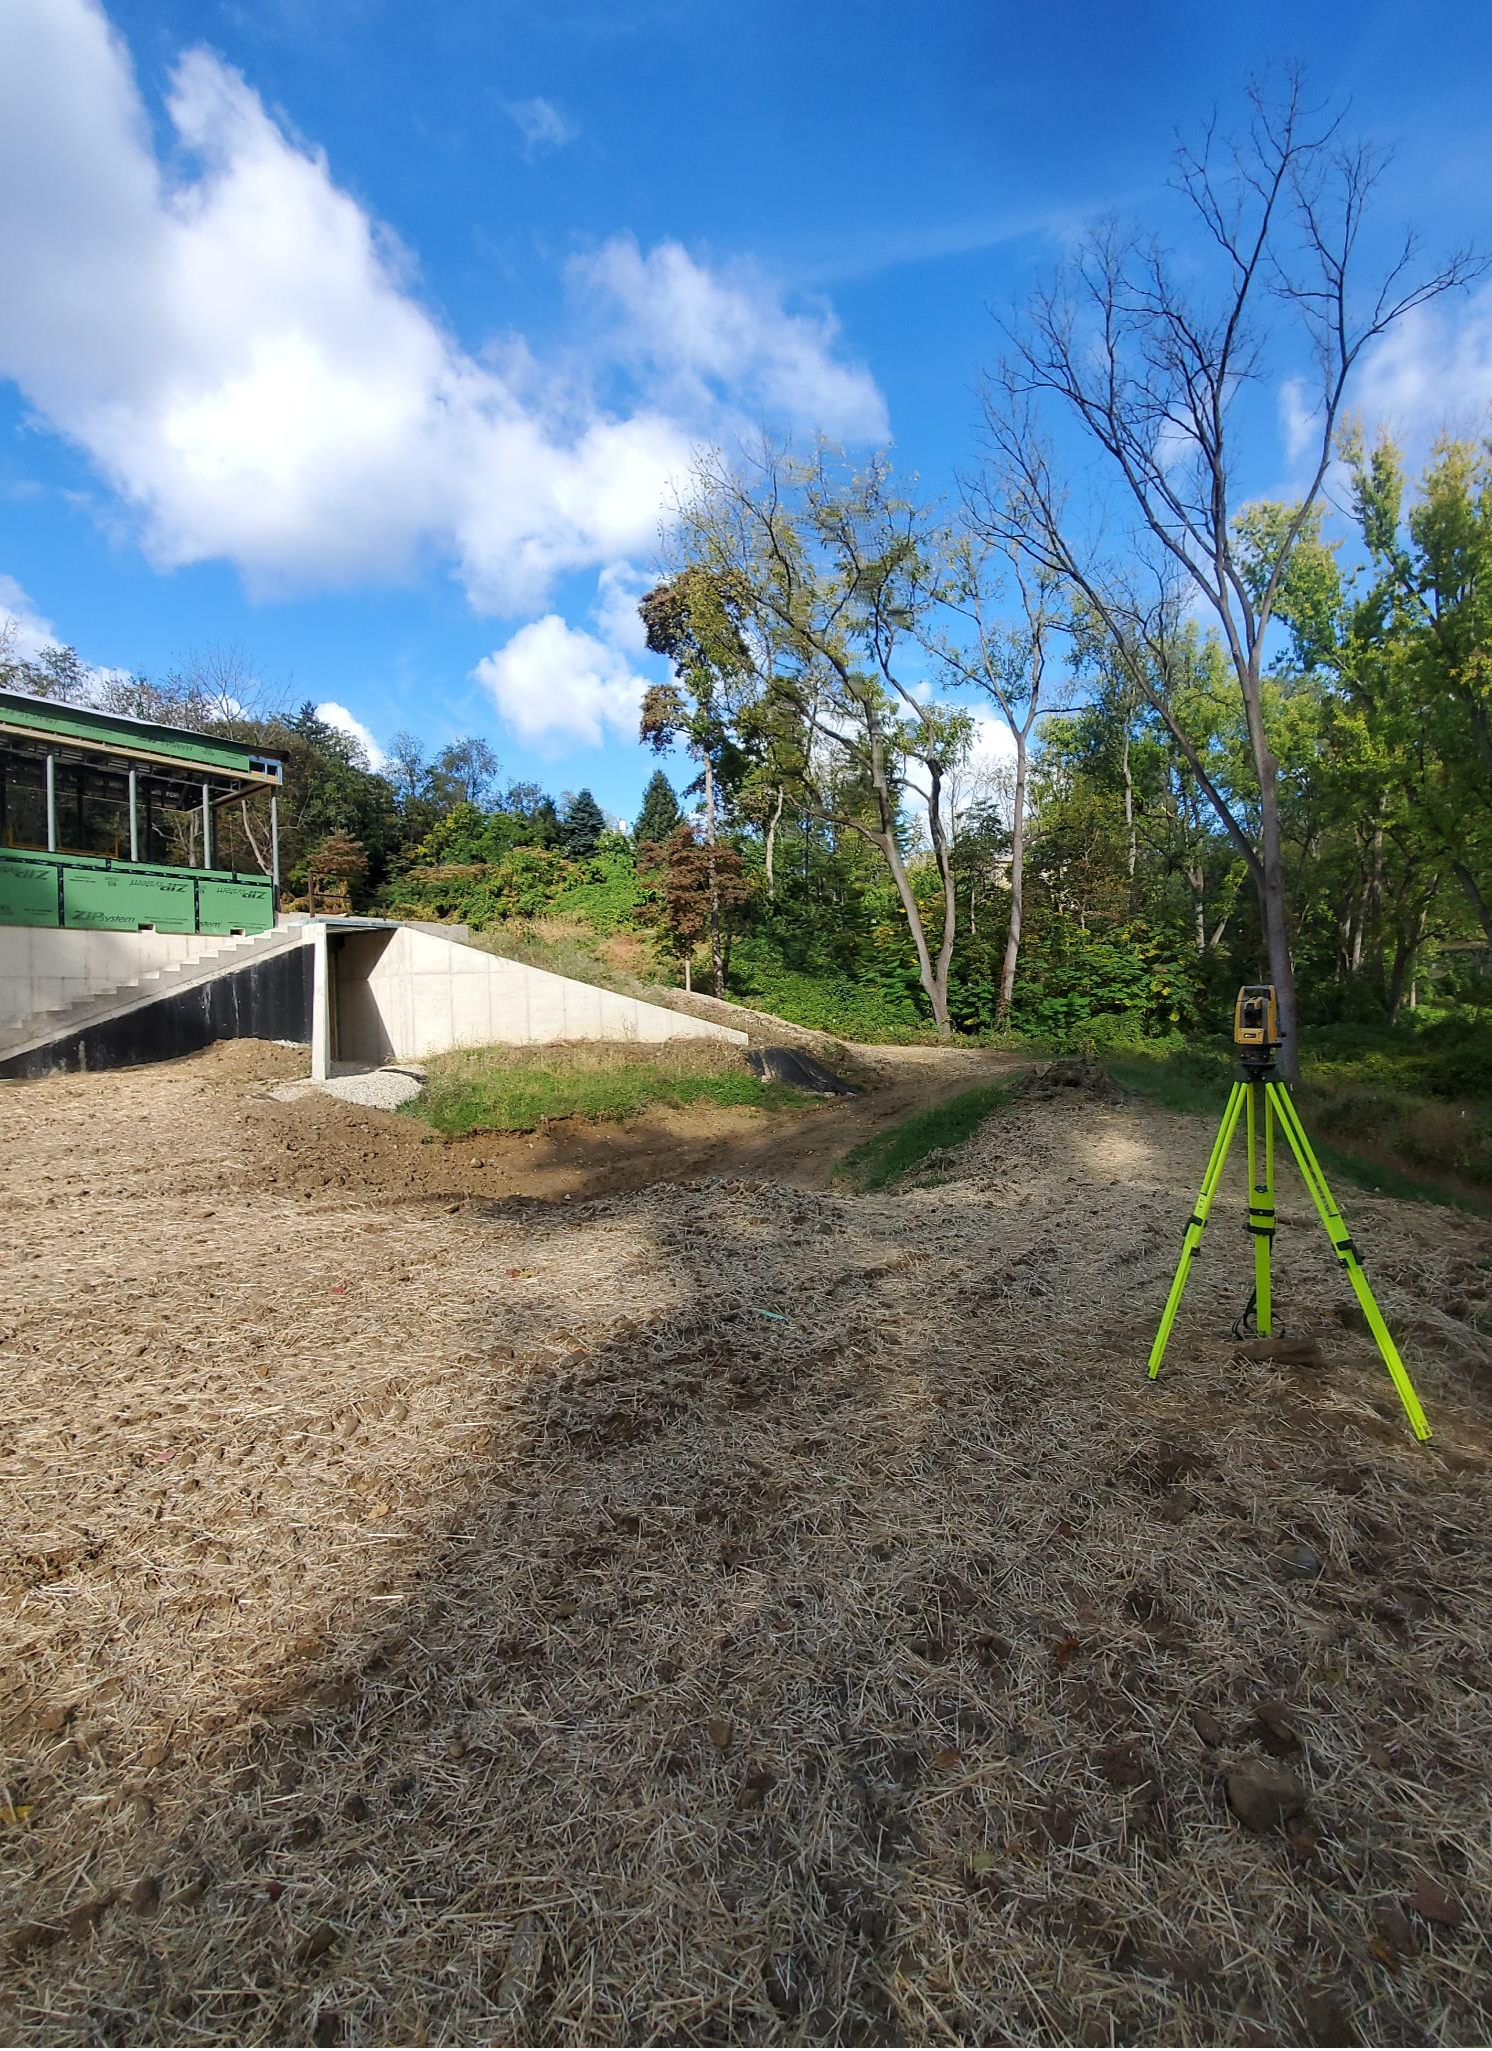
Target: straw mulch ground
{"type": "Point", "coordinates": [724, 1612]}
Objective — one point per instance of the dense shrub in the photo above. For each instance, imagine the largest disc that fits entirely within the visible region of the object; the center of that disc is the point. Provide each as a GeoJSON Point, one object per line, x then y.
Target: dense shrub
{"type": "Point", "coordinates": [1111, 988]}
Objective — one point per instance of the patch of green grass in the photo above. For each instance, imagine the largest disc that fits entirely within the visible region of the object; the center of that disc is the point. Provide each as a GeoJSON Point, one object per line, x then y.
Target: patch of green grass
{"type": "Point", "coordinates": [1196, 1080]}
{"type": "Point", "coordinates": [517, 1089]}
{"type": "Point", "coordinates": [1403, 1145]}
{"type": "Point", "coordinates": [898, 1150]}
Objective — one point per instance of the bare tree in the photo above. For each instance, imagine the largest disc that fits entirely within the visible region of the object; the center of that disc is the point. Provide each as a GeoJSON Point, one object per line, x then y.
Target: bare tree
{"type": "Point", "coordinates": [1009, 665]}
{"type": "Point", "coordinates": [1150, 366]}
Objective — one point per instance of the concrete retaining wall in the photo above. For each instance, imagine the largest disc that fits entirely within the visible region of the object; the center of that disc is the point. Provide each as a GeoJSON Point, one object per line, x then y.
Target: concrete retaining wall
{"type": "Point", "coordinates": [269, 999]}
{"type": "Point", "coordinates": [43, 968]}
{"type": "Point", "coordinates": [401, 993]}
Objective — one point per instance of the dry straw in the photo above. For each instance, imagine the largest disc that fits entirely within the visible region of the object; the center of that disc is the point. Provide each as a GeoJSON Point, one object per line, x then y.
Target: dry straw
{"type": "Point", "coordinates": [432, 1622]}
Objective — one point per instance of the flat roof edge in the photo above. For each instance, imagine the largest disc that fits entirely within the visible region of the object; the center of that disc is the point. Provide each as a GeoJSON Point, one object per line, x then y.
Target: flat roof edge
{"type": "Point", "coordinates": [53, 715]}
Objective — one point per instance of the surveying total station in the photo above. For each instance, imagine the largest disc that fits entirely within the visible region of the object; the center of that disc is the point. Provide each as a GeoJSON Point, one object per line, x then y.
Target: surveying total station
{"type": "Point", "coordinates": [1256, 1035]}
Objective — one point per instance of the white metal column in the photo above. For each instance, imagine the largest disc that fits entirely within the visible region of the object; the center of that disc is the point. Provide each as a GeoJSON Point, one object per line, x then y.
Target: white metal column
{"type": "Point", "coordinates": [51, 804]}
{"type": "Point", "coordinates": [134, 817]}
{"type": "Point", "coordinates": [207, 826]}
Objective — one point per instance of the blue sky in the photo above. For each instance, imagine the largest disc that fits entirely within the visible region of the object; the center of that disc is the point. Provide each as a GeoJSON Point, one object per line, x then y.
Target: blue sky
{"type": "Point", "coordinates": [368, 338]}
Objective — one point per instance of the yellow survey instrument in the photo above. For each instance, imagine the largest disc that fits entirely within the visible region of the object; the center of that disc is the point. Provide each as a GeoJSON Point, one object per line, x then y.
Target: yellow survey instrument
{"type": "Point", "coordinates": [1256, 1017]}
{"type": "Point", "coordinates": [1268, 1102]}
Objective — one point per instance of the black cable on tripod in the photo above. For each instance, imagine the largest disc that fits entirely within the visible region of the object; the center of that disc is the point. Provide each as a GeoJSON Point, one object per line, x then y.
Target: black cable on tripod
{"type": "Point", "coordinates": [1245, 1314]}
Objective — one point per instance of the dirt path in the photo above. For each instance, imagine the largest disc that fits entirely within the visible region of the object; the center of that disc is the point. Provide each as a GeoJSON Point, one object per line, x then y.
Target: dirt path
{"type": "Point", "coordinates": [316, 1145]}
{"type": "Point", "coordinates": [728, 1612]}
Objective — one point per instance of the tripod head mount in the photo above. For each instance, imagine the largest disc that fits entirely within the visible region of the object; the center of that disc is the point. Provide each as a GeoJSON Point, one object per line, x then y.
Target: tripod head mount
{"type": "Point", "coordinates": [1256, 1030]}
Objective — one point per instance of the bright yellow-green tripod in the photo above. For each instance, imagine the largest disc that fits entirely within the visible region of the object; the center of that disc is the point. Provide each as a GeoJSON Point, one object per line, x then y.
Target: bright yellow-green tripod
{"type": "Point", "coordinates": [1267, 1100]}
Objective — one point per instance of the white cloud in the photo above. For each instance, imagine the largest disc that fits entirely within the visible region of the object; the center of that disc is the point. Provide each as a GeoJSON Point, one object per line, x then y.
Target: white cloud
{"type": "Point", "coordinates": [553, 682]}
{"type": "Point", "coordinates": [725, 339]}
{"type": "Point", "coordinates": [348, 723]}
{"type": "Point", "coordinates": [618, 589]}
{"type": "Point", "coordinates": [541, 126]}
{"type": "Point", "coordinates": [237, 348]}
{"type": "Point", "coordinates": [985, 775]}
{"type": "Point", "coordinates": [992, 750]}
{"type": "Point", "coordinates": [24, 632]}
{"type": "Point", "coordinates": [1300, 419]}
{"type": "Point", "coordinates": [1432, 372]}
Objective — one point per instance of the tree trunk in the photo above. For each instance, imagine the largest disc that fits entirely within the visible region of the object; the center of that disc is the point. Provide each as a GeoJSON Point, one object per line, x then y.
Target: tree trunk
{"type": "Point", "coordinates": [1474, 898]}
{"type": "Point", "coordinates": [933, 982]}
{"type": "Point", "coordinates": [1373, 911]}
{"type": "Point", "coordinates": [1132, 851]}
{"type": "Point", "coordinates": [248, 829]}
{"type": "Point", "coordinates": [933, 977]}
{"type": "Point", "coordinates": [1017, 885]}
{"type": "Point", "coordinates": [717, 958]}
{"type": "Point", "coordinates": [1274, 919]}
{"type": "Point", "coordinates": [688, 975]}
{"type": "Point", "coordinates": [1411, 938]}
{"type": "Point", "coordinates": [942, 855]}
{"type": "Point", "coordinates": [772, 839]}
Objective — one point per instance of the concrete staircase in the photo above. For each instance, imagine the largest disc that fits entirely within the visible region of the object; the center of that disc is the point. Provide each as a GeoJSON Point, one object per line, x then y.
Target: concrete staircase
{"type": "Point", "coordinates": [217, 957]}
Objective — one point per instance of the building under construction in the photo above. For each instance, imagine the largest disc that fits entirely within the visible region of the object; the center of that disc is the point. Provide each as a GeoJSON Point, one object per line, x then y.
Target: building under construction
{"type": "Point", "coordinates": [110, 824]}
{"type": "Point", "coordinates": [139, 919]}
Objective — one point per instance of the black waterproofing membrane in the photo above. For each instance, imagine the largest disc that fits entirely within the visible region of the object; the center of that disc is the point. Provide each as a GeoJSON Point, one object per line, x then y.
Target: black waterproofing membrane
{"type": "Point", "coordinates": [786, 1064]}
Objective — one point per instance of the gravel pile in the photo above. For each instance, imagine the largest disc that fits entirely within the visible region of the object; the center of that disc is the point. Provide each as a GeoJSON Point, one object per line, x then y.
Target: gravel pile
{"type": "Point", "coordinates": [382, 1089]}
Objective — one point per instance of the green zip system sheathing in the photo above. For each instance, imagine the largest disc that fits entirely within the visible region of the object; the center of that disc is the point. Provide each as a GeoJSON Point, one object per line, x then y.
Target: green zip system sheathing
{"type": "Point", "coordinates": [140, 738]}
{"type": "Point", "coordinates": [104, 896]}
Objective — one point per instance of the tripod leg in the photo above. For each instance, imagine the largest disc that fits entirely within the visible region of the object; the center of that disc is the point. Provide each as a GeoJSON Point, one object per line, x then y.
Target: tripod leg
{"type": "Point", "coordinates": [1261, 1199]}
{"type": "Point", "coordinates": [1346, 1253]}
{"type": "Point", "coordinates": [1196, 1224]}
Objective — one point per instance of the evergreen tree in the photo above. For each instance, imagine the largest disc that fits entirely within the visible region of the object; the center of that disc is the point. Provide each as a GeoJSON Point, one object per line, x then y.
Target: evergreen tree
{"type": "Point", "coordinates": [660, 815]}
{"type": "Point", "coordinates": [584, 824]}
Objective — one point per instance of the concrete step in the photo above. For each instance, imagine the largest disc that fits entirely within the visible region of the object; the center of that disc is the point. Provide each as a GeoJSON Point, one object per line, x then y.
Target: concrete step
{"type": "Point", "coordinates": [234, 951]}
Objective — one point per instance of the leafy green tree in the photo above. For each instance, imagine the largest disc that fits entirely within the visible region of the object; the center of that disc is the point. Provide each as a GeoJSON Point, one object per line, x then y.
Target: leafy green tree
{"type": "Point", "coordinates": [660, 816]}
{"type": "Point", "coordinates": [536, 811]}
{"type": "Point", "coordinates": [464, 773]}
{"type": "Point", "coordinates": [329, 790]}
{"type": "Point", "coordinates": [825, 578]}
{"type": "Point", "coordinates": [695, 619]}
{"type": "Point", "coordinates": [56, 672]}
{"type": "Point", "coordinates": [1010, 663]}
{"type": "Point", "coordinates": [1416, 658]}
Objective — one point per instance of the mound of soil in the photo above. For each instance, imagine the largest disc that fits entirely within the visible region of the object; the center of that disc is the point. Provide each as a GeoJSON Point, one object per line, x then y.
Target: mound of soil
{"type": "Point", "coordinates": [1071, 1076]}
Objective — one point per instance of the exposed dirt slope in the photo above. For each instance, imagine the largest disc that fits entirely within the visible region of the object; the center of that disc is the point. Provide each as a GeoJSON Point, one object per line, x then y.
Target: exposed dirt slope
{"type": "Point", "coordinates": [315, 1145]}
{"type": "Point", "coordinates": [728, 1612]}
